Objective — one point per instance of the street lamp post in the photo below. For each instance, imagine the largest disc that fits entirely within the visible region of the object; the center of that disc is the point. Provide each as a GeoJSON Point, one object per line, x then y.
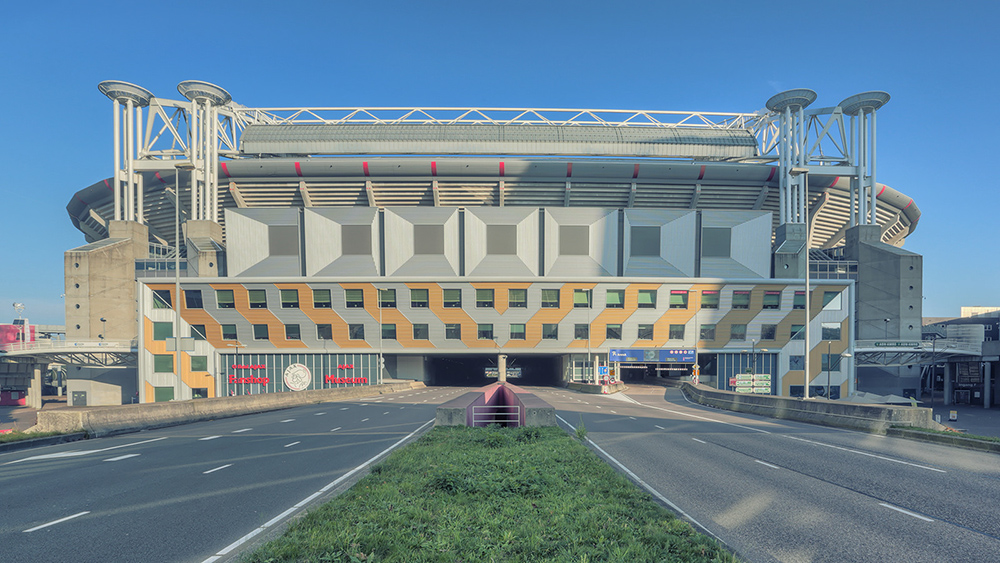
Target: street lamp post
{"type": "Point", "coordinates": [804, 172]}
{"type": "Point", "coordinates": [381, 335]}
{"type": "Point", "coordinates": [829, 364]}
{"type": "Point", "coordinates": [189, 167]}
{"type": "Point", "coordinates": [104, 328]}
{"type": "Point", "coordinates": [886, 328]}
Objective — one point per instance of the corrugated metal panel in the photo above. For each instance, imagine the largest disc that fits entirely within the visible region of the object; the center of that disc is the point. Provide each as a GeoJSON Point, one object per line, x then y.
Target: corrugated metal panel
{"type": "Point", "coordinates": [677, 243]}
{"type": "Point", "coordinates": [323, 241]}
{"type": "Point", "coordinates": [602, 258]}
{"type": "Point", "coordinates": [400, 258]}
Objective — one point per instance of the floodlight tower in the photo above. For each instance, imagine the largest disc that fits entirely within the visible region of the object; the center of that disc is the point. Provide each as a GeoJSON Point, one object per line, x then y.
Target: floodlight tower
{"type": "Point", "coordinates": [128, 199]}
{"type": "Point", "coordinates": [203, 152]}
{"type": "Point", "coordinates": [862, 107]}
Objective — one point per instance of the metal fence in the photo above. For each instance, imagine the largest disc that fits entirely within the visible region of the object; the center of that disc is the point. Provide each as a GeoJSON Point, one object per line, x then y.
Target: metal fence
{"type": "Point", "coordinates": [504, 415]}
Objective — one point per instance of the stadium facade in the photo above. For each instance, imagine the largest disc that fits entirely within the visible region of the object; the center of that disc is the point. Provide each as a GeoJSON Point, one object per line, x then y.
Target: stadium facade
{"type": "Point", "coordinates": [251, 250]}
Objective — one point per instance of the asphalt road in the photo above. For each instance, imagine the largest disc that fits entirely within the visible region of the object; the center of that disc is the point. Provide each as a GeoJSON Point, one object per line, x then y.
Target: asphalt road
{"type": "Point", "coordinates": [191, 493]}
{"type": "Point", "coordinates": [777, 490]}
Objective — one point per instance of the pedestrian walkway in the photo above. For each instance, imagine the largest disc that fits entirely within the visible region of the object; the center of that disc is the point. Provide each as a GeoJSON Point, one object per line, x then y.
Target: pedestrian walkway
{"type": "Point", "coordinates": [972, 419]}
{"type": "Point", "coordinates": [22, 418]}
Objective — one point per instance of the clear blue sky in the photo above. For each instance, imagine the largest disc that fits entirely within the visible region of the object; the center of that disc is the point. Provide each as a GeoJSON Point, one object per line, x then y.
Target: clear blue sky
{"type": "Point", "coordinates": [935, 142]}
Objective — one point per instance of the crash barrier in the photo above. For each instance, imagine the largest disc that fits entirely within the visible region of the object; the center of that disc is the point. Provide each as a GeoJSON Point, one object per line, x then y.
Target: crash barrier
{"type": "Point", "coordinates": [868, 418]}
{"type": "Point", "coordinates": [105, 421]}
{"type": "Point", "coordinates": [605, 388]}
{"type": "Point", "coordinates": [493, 405]}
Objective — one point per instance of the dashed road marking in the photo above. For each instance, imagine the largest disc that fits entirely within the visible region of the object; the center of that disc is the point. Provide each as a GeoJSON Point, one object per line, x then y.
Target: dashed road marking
{"type": "Point", "coordinates": [54, 522]}
{"type": "Point", "coordinates": [242, 430]}
{"type": "Point", "coordinates": [206, 438]}
{"type": "Point", "coordinates": [292, 444]}
{"type": "Point", "coordinates": [121, 457]}
{"type": "Point", "coordinates": [897, 509]}
{"type": "Point", "coordinates": [764, 463]}
{"type": "Point", "coordinates": [216, 469]}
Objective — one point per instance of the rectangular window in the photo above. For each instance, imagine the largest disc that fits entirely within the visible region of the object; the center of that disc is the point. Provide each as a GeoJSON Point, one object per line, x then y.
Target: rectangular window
{"type": "Point", "coordinates": [678, 299]}
{"type": "Point", "coordinates": [258, 298]}
{"type": "Point", "coordinates": [707, 332]}
{"type": "Point", "coordinates": [484, 298]}
{"type": "Point", "coordinates": [768, 332]}
{"type": "Point", "coordinates": [289, 299]}
{"type": "Point", "coordinates": [356, 332]}
{"type": "Point", "coordinates": [581, 298]}
{"type": "Point", "coordinates": [355, 298]}
{"type": "Point", "coordinates": [772, 299]}
{"type": "Point", "coordinates": [798, 332]}
{"type": "Point", "coordinates": [796, 362]}
{"type": "Point", "coordinates": [799, 301]}
{"type": "Point", "coordinates": [420, 332]}
{"type": "Point", "coordinates": [388, 331]}
{"type": "Point", "coordinates": [229, 332]}
{"type": "Point", "coordinates": [484, 332]}
{"type": "Point", "coordinates": [614, 332]}
{"type": "Point", "coordinates": [199, 363]}
{"type": "Point", "coordinates": [831, 301]}
{"type": "Point", "coordinates": [418, 298]}
{"type": "Point", "coordinates": [192, 299]}
{"type": "Point", "coordinates": [647, 298]}
{"type": "Point", "coordinates": [292, 332]}
{"type": "Point", "coordinates": [831, 331]}
{"type": "Point", "coordinates": [517, 297]}
{"type": "Point", "coordinates": [163, 331]}
{"type": "Point", "coordinates": [831, 362]}
{"type": "Point", "coordinates": [581, 331]}
{"type": "Point", "coordinates": [321, 299]}
{"type": "Point", "coordinates": [224, 298]}
{"type": "Point", "coordinates": [676, 332]}
{"type": "Point", "coordinates": [738, 332]}
{"type": "Point", "coordinates": [198, 332]}
{"type": "Point", "coordinates": [550, 331]}
{"type": "Point", "coordinates": [615, 299]}
{"type": "Point", "coordinates": [645, 332]}
{"type": "Point", "coordinates": [161, 299]}
{"type": "Point", "coordinates": [453, 298]}
{"type": "Point", "coordinates": [324, 332]}
{"type": "Point", "coordinates": [163, 363]}
{"type": "Point", "coordinates": [741, 300]}
{"type": "Point", "coordinates": [387, 298]}
{"type": "Point", "coordinates": [199, 392]}
{"type": "Point", "coordinates": [550, 298]}
{"type": "Point", "coordinates": [453, 331]}
{"type": "Point", "coordinates": [260, 332]}
{"type": "Point", "coordinates": [710, 299]}
{"type": "Point", "coordinates": [517, 331]}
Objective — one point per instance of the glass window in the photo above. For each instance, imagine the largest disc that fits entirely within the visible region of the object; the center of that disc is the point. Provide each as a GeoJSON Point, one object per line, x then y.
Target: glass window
{"type": "Point", "coordinates": [420, 332]}
{"type": "Point", "coordinates": [198, 332]}
{"type": "Point", "coordinates": [355, 298]}
{"type": "Point", "coordinates": [418, 298]}
{"type": "Point", "coordinates": [737, 332]}
{"type": "Point", "coordinates": [258, 298]}
{"type": "Point", "coordinates": [199, 392]}
{"type": "Point", "coordinates": [517, 331]}
{"type": "Point", "coordinates": [645, 332]}
{"type": "Point", "coordinates": [550, 332]}
{"type": "Point", "coordinates": [163, 331]}
{"type": "Point", "coordinates": [289, 299]}
{"type": "Point", "coordinates": [453, 331]}
{"type": "Point", "coordinates": [389, 331]}
{"type": "Point", "coordinates": [772, 299]}
{"type": "Point", "coordinates": [484, 332]}
{"type": "Point", "coordinates": [199, 363]}
{"type": "Point", "coordinates": [676, 332]}
{"type": "Point", "coordinates": [161, 299]}
{"type": "Point", "coordinates": [798, 332]}
{"type": "Point", "coordinates": [229, 332]}
{"type": "Point", "coordinates": [387, 298]}
{"type": "Point", "coordinates": [831, 301]}
{"type": "Point", "coordinates": [484, 298]}
{"type": "Point", "coordinates": [707, 332]}
{"type": "Point", "coordinates": [615, 299]}
{"type": "Point", "coordinates": [453, 298]}
{"type": "Point", "coordinates": [710, 299]}
{"type": "Point", "coordinates": [678, 299]}
{"type": "Point", "coordinates": [799, 301]}
{"type": "Point", "coordinates": [741, 300]}
{"type": "Point", "coordinates": [831, 331]}
{"type": "Point", "coordinates": [324, 332]}
{"type": "Point", "coordinates": [356, 332]}
{"type": "Point", "coordinates": [260, 332]}
{"type": "Point", "coordinates": [831, 362]}
{"type": "Point", "coordinates": [797, 362]}
{"type": "Point", "coordinates": [768, 332]}
{"type": "Point", "coordinates": [614, 332]}
{"type": "Point", "coordinates": [321, 299]}
{"type": "Point", "coordinates": [550, 298]}
{"type": "Point", "coordinates": [163, 363]}
{"type": "Point", "coordinates": [581, 331]}
{"type": "Point", "coordinates": [192, 299]}
{"type": "Point", "coordinates": [647, 298]}
{"type": "Point", "coordinates": [224, 298]}
{"type": "Point", "coordinates": [517, 297]}
{"type": "Point", "coordinates": [292, 332]}
{"type": "Point", "coordinates": [581, 298]}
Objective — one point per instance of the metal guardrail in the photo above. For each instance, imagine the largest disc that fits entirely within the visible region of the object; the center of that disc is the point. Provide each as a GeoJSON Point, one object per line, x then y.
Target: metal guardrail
{"type": "Point", "coordinates": [504, 415]}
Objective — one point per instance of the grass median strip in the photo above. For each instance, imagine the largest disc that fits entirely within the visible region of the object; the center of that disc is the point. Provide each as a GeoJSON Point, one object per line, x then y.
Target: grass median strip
{"type": "Point", "coordinates": [492, 494]}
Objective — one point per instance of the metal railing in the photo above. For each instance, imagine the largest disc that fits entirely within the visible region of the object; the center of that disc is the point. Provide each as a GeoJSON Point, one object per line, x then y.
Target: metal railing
{"type": "Point", "coordinates": [504, 415]}
{"type": "Point", "coordinates": [54, 345]}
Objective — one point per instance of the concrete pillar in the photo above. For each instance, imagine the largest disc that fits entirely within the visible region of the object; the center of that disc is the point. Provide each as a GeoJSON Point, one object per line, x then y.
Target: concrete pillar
{"type": "Point", "coordinates": [948, 387]}
{"type": "Point", "coordinates": [987, 385]}
{"type": "Point", "coordinates": [35, 391]}
{"type": "Point", "coordinates": [502, 368]}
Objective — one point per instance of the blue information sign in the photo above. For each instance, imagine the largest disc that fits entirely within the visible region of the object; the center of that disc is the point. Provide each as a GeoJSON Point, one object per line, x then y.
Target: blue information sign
{"type": "Point", "coordinates": [652, 355]}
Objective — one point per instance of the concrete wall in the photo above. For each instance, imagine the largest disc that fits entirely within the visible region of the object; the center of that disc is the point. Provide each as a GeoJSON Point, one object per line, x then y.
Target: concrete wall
{"type": "Point", "coordinates": [104, 386]}
{"type": "Point", "coordinates": [459, 411]}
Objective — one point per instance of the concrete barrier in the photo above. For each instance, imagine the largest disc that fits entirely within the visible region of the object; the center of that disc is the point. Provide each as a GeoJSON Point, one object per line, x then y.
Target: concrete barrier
{"type": "Point", "coordinates": [868, 418]}
{"type": "Point", "coordinates": [950, 439]}
{"type": "Point", "coordinates": [105, 421]}
{"type": "Point", "coordinates": [532, 410]}
{"type": "Point", "coordinates": [596, 389]}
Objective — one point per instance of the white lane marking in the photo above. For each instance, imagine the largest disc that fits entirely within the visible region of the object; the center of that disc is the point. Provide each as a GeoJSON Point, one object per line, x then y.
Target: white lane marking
{"type": "Point", "coordinates": [386, 412]}
{"type": "Point", "coordinates": [54, 522]}
{"type": "Point", "coordinates": [906, 512]}
{"type": "Point", "coordinates": [660, 427]}
{"type": "Point", "coordinates": [344, 408]}
{"type": "Point", "coordinates": [216, 469]}
{"type": "Point", "coordinates": [83, 452]}
{"type": "Point", "coordinates": [320, 413]}
{"type": "Point", "coordinates": [611, 411]}
{"type": "Point", "coordinates": [642, 483]}
{"type": "Point", "coordinates": [705, 418]}
{"type": "Point", "coordinates": [242, 430]}
{"type": "Point", "coordinates": [121, 457]}
{"type": "Point", "coordinates": [292, 444]}
{"type": "Point", "coordinates": [632, 417]}
{"type": "Point", "coordinates": [767, 464]}
{"type": "Point", "coordinates": [208, 438]}
{"type": "Point", "coordinates": [876, 456]}
{"type": "Point", "coordinates": [699, 441]}
{"type": "Point", "coordinates": [364, 420]}
{"type": "Point", "coordinates": [598, 406]}
{"type": "Point", "coordinates": [288, 420]}
{"type": "Point", "coordinates": [337, 428]}
{"type": "Point", "coordinates": [302, 503]}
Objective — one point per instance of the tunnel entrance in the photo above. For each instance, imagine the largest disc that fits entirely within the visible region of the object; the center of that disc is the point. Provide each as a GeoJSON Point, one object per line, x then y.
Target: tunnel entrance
{"type": "Point", "coordinates": [471, 370]}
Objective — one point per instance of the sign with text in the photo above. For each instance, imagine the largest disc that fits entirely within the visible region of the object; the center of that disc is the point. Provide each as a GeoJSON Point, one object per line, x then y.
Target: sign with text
{"type": "Point", "coordinates": [652, 355]}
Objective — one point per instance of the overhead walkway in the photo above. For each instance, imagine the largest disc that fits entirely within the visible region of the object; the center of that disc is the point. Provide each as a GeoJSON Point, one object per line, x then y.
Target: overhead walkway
{"type": "Point", "coordinates": [84, 353]}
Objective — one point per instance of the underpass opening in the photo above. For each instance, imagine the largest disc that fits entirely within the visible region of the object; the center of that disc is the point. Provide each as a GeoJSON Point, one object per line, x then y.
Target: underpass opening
{"type": "Point", "coordinates": [480, 369]}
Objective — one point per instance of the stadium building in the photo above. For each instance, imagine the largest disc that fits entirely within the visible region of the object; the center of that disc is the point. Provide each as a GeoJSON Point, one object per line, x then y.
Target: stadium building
{"type": "Point", "coordinates": [252, 250]}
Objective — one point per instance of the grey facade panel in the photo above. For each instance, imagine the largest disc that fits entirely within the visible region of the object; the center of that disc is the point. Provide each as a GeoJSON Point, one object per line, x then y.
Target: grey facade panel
{"type": "Point", "coordinates": [421, 241]}
{"type": "Point", "coordinates": [333, 250]}
{"type": "Point", "coordinates": [478, 259]}
{"type": "Point", "coordinates": [676, 242]}
{"type": "Point", "coordinates": [591, 236]}
{"type": "Point", "coordinates": [750, 244]}
{"type": "Point", "coordinates": [263, 252]}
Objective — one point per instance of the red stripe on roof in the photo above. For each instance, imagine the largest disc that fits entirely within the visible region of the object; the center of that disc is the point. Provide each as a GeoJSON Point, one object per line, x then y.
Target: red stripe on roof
{"type": "Point", "coordinates": [834, 182]}
{"type": "Point", "coordinates": [702, 173]}
{"type": "Point", "coordinates": [880, 191]}
{"type": "Point", "coordinates": [434, 168]}
{"type": "Point", "coordinates": [107, 184]}
{"type": "Point", "coordinates": [907, 205]}
{"type": "Point", "coordinates": [635, 172]}
{"type": "Point", "coordinates": [298, 170]}
{"type": "Point", "coordinates": [569, 169]}
{"type": "Point", "coordinates": [225, 170]}
{"type": "Point", "coordinates": [501, 168]}
{"type": "Point", "coordinates": [364, 166]}
{"type": "Point", "coordinates": [160, 179]}
{"type": "Point", "coordinates": [771, 175]}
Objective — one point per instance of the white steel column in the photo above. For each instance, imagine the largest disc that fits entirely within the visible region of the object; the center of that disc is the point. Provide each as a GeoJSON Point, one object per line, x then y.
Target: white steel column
{"type": "Point", "coordinates": [116, 177]}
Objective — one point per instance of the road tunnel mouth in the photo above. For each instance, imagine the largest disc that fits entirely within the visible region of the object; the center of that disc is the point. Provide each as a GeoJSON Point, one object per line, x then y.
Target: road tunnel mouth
{"type": "Point", "coordinates": [482, 369]}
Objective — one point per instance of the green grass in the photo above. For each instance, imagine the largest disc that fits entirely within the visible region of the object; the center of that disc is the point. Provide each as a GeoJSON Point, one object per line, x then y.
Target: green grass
{"type": "Point", "coordinates": [18, 436]}
{"type": "Point", "coordinates": [491, 494]}
{"type": "Point", "coordinates": [951, 433]}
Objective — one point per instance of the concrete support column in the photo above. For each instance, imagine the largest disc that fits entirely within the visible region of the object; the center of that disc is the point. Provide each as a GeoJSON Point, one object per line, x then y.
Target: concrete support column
{"type": "Point", "coordinates": [987, 385]}
{"type": "Point", "coordinates": [948, 387]}
{"type": "Point", "coordinates": [35, 390]}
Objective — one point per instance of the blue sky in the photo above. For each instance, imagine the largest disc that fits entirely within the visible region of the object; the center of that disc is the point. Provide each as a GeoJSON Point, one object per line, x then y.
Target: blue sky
{"type": "Point", "coordinates": [936, 141]}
